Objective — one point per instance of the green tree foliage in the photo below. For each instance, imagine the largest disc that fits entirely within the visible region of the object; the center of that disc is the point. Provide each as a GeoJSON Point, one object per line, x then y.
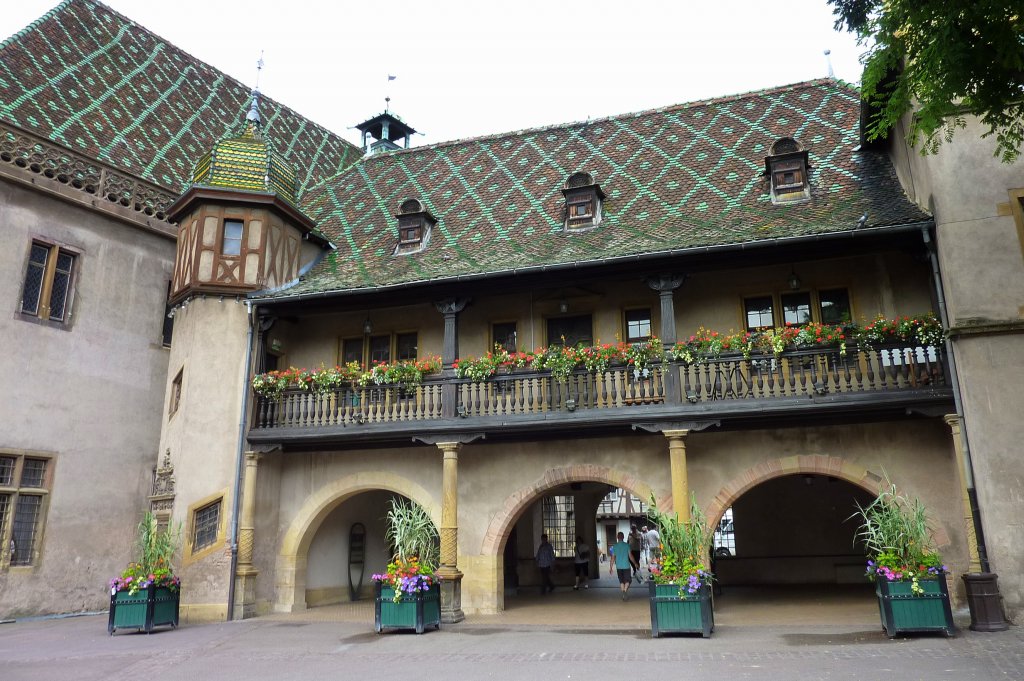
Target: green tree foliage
{"type": "Point", "coordinates": [949, 58]}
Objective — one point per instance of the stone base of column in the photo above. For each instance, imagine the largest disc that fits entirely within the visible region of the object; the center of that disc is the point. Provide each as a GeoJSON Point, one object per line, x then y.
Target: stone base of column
{"type": "Point", "coordinates": [451, 595]}
{"type": "Point", "coordinates": [245, 593]}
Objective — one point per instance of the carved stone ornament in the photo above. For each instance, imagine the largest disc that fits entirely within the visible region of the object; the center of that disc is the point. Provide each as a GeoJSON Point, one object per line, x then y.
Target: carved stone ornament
{"type": "Point", "coordinates": [451, 305]}
{"type": "Point", "coordinates": [163, 477]}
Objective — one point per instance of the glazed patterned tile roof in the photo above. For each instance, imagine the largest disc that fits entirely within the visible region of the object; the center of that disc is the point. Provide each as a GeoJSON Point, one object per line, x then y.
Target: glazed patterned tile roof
{"type": "Point", "coordinates": [88, 78]}
{"type": "Point", "coordinates": [679, 177]}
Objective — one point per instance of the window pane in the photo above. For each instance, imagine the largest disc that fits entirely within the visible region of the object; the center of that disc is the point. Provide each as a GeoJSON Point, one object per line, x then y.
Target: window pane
{"type": "Point", "coordinates": [168, 329]}
{"type": "Point", "coordinates": [504, 334]}
{"type": "Point", "coordinates": [61, 282]}
{"type": "Point", "coordinates": [638, 325]}
{"type": "Point", "coordinates": [26, 517]}
{"type": "Point", "coordinates": [559, 524]}
{"type": "Point", "coordinates": [34, 279]}
{"type": "Point", "coordinates": [796, 308]}
{"type": "Point", "coordinates": [352, 350]}
{"type": "Point", "coordinates": [207, 521]}
{"type": "Point", "coordinates": [759, 313]}
{"type": "Point", "coordinates": [571, 331]}
{"type": "Point", "coordinates": [835, 306]}
{"type": "Point", "coordinates": [380, 349]}
{"type": "Point", "coordinates": [5, 505]}
{"type": "Point", "coordinates": [232, 237]}
{"type": "Point", "coordinates": [406, 346]}
{"type": "Point", "coordinates": [7, 470]}
{"type": "Point", "coordinates": [33, 473]}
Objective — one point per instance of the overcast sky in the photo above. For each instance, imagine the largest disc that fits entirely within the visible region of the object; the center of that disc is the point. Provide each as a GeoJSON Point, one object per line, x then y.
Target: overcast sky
{"type": "Point", "coordinates": [473, 68]}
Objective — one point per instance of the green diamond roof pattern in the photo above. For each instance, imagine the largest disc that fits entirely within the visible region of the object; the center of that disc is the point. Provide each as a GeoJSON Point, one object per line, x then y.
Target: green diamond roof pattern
{"type": "Point", "coordinates": [678, 177]}
{"type": "Point", "coordinates": [89, 78]}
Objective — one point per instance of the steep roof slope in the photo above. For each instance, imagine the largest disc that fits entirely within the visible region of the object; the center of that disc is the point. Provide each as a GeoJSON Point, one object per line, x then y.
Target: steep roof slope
{"type": "Point", "coordinates": [679, 177]}
{"type": "Point", "coordinates": [91, 79]}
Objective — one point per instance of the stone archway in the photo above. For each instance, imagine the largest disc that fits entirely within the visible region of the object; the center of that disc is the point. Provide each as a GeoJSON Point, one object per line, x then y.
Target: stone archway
{"type": "Point", "coordinates": [290, 570]}
{"type": "Point", "coordinates": [816, 464]}
{"type": "Point", "coordinates": [490, 557]}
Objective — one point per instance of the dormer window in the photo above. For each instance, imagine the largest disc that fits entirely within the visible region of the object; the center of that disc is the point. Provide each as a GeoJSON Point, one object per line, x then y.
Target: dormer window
{"type": "Point", "coordinates": [414, 223]}
{"type": "Point", "coordinates": [582, 202]}
{"type": "Point", "coordinates": [786, 168]}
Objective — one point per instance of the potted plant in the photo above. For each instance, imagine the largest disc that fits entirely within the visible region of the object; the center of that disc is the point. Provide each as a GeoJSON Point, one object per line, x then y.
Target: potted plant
{"type": "Point", "coordinates": [680, 584]}
{"type": "Point", "coordinates": [147, 593]}
{"type": "Point", "coordinates": [909, 577]}
{"type": "Point", "coordinates": [407, 595]}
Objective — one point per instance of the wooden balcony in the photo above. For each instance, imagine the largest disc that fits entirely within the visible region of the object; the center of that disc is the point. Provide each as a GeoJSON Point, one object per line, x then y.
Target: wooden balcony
{"type": "Point", "coordinates": [798, 387]}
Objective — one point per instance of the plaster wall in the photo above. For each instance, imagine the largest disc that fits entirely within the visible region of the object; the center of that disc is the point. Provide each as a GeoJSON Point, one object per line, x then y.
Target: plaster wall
{"type": "Point", "coordinates": [980, 256]}
{"type": "Point", "coordinates": [88, 394]}
{"type": "Point", "coordinates": [202, 437]}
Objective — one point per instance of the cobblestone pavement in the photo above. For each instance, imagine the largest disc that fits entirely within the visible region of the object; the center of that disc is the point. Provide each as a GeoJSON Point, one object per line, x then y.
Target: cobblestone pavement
{"type": "Point", "coordinates": [533, 639]}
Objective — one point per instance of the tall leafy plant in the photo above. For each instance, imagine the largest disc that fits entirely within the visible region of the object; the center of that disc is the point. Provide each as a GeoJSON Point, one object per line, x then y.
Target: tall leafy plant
{"type": "Point", "coordinates": [684, 549]}
{"type": "Point", "coordinates": [412, 534]}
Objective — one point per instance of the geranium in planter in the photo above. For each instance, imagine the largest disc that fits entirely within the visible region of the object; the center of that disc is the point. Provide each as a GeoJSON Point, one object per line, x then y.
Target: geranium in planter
{"type": "Point", "coordinates": [910, 579]}
{"type": "Point", "coordinates": [407, 593]}
{"type": "Point", "coordinates": [680, 585]}
{"type": "Point", "coordinates": [147, 593]}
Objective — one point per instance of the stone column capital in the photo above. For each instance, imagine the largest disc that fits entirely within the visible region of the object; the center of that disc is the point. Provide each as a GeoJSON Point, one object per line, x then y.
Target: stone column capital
{"type": "Point", "coordinates": [666, 282]}
{"type": "Point", "coordinates": [953, 421]}
{"type": "Point", "coordinates": [451, 306]}
{"type": "Point", "coordinates": [676, 434]}
{"type": "Point", "coordinates": [450, 449]}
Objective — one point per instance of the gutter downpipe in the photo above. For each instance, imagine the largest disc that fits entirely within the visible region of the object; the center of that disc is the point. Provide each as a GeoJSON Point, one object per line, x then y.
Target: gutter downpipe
{"type": "Point", "coordinates": [968, 471]}
{"type": "Point", "coordinates": [240, 462]}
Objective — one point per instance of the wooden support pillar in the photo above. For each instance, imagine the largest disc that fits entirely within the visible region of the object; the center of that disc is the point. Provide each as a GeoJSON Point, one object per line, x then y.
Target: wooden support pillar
{"type": "Point", "coordinates": [953, 421]}
{"type": "Point", "coordinates": [448, 571]}
{"type": "Point", "coordinates": [245, 571]}
{"type": "Point", "coordinates": [677, 467]}
{"type": "Point", "coordinates": [666, 285]}
{"type": "Point", "coordinates": [450, 308]}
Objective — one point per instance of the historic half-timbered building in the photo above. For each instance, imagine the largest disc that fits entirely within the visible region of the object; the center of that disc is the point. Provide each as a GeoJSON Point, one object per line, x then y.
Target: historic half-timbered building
{"type": "Point", "coordinates": [737, 214]}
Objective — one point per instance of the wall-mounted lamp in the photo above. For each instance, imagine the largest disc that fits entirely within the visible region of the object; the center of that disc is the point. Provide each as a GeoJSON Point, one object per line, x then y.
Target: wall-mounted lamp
{"type": "Point", "coordinates": [794, 281]}
{"type": "Point", "coordinates": [563, 306]}
{"type": "Point", "coordinates": [570, 404]}
{"type": "Point", "coordinates": [462, 411]}
{"type": "Point", "coordinates": [367, 327]}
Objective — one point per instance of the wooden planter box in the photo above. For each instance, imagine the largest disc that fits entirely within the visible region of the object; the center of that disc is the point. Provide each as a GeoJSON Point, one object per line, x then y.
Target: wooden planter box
{"type": "Point", "coordinates": [411, 612]}
{"type": "Point", "coordinates": [904, 612]}
{"type": "Point", "coordinates": [672, 614]}
{"type": "Point", "coordinates": [153, 607]}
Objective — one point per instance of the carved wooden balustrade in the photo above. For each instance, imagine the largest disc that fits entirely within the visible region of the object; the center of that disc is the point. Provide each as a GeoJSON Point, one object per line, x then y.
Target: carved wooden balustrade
{"type": "Point", "coordinates": [668, 387]}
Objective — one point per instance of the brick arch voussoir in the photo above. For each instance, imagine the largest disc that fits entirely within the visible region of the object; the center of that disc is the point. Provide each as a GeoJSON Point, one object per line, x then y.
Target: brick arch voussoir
{"type": "Point", "coordinates": [502, 522]}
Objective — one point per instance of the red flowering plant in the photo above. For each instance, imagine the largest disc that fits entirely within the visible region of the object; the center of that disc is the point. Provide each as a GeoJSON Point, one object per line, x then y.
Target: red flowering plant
{"type": "Point", "coordinates": [415, 539]}
{"type": "Point", "coordinates": [153, 568]}
{"type": "Point", "coordinates": [404, 372]}
{"type": "Point", "coordinates": [272, 384]}
{"type": "Point", "coordinates": [923, 330]}
{"type": "Point", "coordinates": [476, 368]}
{"type": "Point", "coordinates": [701, 346]}
{"type": "Point", "coordinates": [682, 555]}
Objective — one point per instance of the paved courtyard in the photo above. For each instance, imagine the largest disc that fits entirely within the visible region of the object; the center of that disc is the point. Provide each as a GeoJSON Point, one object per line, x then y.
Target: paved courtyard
{"type": "Point", "coordinates": [587, 634]}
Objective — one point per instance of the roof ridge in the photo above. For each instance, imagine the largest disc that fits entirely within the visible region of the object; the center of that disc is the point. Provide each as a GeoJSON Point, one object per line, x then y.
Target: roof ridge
{"type": "Point", "coordinates": [32, 24]}
{"type": "Point", "coordinates": [172, 46]}
{"type": "Point", "coordinates": [632, 114]}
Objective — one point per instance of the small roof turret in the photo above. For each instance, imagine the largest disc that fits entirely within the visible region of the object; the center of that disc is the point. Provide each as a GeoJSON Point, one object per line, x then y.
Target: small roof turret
{"type": "Point", "coordinates": [386, 129]}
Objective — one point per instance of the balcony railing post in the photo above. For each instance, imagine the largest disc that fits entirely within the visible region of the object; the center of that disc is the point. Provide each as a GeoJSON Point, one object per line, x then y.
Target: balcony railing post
{"type": "Point", "coordinates": [670, 379]}
{"type": "Point", "coordinates": [449, 398]}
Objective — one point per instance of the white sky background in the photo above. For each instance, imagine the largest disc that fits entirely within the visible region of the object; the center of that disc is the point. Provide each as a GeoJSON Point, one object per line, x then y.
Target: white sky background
{"type": "Point", "coordinates": [474, 68]}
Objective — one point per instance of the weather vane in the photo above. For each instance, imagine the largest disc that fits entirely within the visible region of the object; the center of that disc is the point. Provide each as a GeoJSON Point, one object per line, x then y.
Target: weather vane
{"type": "Point", "coordinates": [259, 67]}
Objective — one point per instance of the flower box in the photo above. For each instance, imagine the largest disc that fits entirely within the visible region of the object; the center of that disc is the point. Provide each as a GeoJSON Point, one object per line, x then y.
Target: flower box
{"type": "Point", "coordinates": [412, 611]}
{"type": "Point", "coordinates": [686, 614]}
{"type": "Point", "coordinates": [903, 611]}
{"type": "Point", "coordinates": [147, 608]}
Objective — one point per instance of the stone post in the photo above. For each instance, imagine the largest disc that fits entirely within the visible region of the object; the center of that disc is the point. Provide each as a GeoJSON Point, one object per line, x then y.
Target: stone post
{"type": "Point", "coordinates": [448, 572]}
{"type": "Point", "coordinates": [245, 572]}
{"type": "Point", "coordinates": [677, 467]}
{"type": "Point", "coordinates": [953, 421]}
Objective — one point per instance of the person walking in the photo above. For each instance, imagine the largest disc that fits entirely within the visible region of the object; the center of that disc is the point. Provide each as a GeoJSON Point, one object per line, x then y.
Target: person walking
{"type": "Point", "coordinates": [653, 546]}
{"type": "Point", "coordinates": [634, 551]}
{"type": "Point", "coordinates": [622, 559]}
{"type": "Point", "coordinates": [545, 561]}
{"type": "Point", "coordinates": [581, 563]}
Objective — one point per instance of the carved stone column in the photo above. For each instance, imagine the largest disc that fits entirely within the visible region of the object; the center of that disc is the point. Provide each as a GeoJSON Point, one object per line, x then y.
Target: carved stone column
{"type": "Point", "coordinates": [451, 578]}
{"type": "Point", "coordinates": [677, 467]}
{"type": "Point", "coordinates": [953, 421]}
{"type": "Point", "coordinates": [245, 571]}
{"type": "Point", "coordinates": [665, 285]}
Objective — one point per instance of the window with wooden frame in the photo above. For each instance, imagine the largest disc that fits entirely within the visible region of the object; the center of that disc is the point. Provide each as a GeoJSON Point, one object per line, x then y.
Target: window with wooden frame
{"type": "Point", "coordinates": [25, 480]}
{"type": "Point", "coordinates": [827, 306]}
{"type": "Point", "coordinates": [638, 325]}
{"type": "Point", "coordinates": [786, 167]}
{"type": "Point", "coordinates": [175, 398]}
{"type": "Point", "coordinates": [368, 350]}
{"type": "Point", "coordinates": [583, 199]}
{"type": "Point", "coordinates": [414, 224]}
{"type": "Point", "coordinates": [505, 334]}
{"type": "Point", "coordinates": [49, 277]}
{"type": "Point", "coordinates": [572, 331]}
{"type": "Point", "coordinates": [231, 243]}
